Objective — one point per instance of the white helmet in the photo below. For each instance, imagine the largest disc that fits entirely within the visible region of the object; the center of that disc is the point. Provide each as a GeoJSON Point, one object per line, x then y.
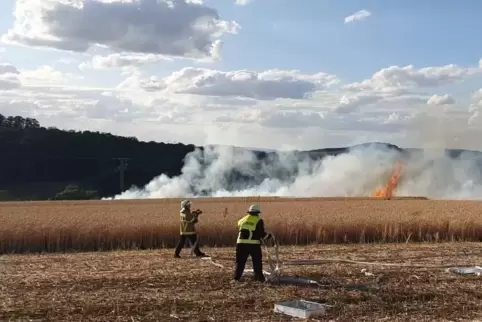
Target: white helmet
{"type": "Point", "coordinates": [254, 209]}
{"type": "Point", "coordinates": [185, 203]}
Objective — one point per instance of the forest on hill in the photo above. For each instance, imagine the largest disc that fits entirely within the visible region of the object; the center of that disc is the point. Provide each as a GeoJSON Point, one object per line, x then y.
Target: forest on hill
{"type": "Point", "coordinates": [41, 163]}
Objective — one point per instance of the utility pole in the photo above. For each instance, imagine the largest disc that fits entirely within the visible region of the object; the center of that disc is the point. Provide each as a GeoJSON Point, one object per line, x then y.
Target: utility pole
{"type": "Point", "coordinates": [122, 167]}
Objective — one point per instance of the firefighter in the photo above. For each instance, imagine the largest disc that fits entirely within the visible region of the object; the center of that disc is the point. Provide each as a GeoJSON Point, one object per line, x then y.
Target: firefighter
{"type": "Point", "coordinates": [189, 220]}
{"type": "Point", "coordinates": [251, 231]}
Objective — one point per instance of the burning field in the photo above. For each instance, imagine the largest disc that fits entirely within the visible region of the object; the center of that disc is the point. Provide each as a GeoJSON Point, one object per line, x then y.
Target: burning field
{"type": "Point", "coordinates": [379, 256]}
{"type": "Point", "coordinates": [150, 285]}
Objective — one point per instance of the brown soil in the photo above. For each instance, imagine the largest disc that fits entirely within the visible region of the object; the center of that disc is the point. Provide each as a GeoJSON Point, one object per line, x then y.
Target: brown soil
{"type": "Point", "coordinates": [153, 286]}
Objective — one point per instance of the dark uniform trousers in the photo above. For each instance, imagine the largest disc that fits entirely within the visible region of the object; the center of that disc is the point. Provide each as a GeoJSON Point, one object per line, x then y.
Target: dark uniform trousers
{"type": "Point", "coordinates": [243, 251]}
{"type": "Point", "coordinates": [192, 239]}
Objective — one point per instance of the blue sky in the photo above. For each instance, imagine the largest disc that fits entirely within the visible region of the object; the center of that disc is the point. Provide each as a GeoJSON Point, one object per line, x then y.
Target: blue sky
{"type": "Point", "coordinates": [312, 37]}
{"type": "Point", "coordinates": [309, 36]}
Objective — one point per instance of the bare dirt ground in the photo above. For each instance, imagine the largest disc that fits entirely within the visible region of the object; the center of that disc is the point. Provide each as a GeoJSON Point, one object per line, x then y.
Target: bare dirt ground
{"type": "Point", "coordinates": [153, 286]}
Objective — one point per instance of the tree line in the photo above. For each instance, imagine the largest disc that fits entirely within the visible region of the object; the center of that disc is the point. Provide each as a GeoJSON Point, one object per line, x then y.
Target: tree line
{"type": "Point", "coordinates": [39, 163]}
{"type": "Point", "coordinates": [18, 122]}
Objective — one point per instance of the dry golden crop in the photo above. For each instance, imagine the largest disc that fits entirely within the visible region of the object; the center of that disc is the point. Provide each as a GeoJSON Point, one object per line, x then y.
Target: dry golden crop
{"type": "Point", "coordinates": [144, 224]}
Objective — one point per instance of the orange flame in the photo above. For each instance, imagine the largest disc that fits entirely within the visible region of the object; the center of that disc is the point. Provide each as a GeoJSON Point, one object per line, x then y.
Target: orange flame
{"type": "Point", "coordinates": [390, 187]}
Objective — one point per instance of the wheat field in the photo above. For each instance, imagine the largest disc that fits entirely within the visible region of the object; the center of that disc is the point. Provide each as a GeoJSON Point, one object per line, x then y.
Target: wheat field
{"type": "Point", "coordinates": [63, 226]}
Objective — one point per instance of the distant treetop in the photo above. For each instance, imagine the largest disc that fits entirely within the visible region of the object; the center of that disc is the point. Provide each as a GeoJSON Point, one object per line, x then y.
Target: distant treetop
{"type": "Point", "coordinates": [18, 122]}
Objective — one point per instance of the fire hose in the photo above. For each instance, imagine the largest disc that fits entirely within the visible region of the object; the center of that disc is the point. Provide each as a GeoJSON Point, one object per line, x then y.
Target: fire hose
{"type": "Point", "coordinates": [274, 274]}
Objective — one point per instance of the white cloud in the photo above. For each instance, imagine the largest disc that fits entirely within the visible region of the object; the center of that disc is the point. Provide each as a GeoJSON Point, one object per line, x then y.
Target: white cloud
{"type": "Point", "coordinates": [441, 100]}
{"type": "Point", "coordinates": [358, 16]}
{"type": "Point", "coordinates": [112, 107]}
{"type": "Point", "coordinates": [8, 77]}
{"type": "Point", "coordinates": [243, 2]}
{"type": "Point", "coordinates": [8, 69]}
{"type": "Point", "coordinates": [350, 103]}
{"type": "Point", "coordinates": [395, 78]}
{"type": "Point", "coordinates": [477, 95]}
{"type": "Point", "coordinates": [273, 108]}
{"type": "Point", "coordinates": [266, 85]}
{"type": "Point", "coordinates": [122, 61]}
{"type": "Point", "coordinates": [475, 110]}
{"type": "Point", "coordinates": [293, 119]}
{"type": "Point", "coordinates": [46, 74]}
{"type": "Point", "coordinates": [275, 119]}
{"type": "Point", "coordinates": [177, 28]}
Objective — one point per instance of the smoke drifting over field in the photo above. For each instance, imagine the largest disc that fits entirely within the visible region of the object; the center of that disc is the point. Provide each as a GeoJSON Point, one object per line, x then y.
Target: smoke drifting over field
{"type": "Point", "coordinates": [225, 171]}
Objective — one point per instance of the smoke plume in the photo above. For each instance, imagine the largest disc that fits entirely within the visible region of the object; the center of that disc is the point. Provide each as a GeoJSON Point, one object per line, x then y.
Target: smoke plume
{"type": "Point", "coordinates": [229, 171]}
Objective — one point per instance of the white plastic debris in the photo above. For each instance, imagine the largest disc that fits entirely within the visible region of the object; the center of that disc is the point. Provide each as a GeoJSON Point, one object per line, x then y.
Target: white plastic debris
{"type": "Point", "coordinates": [300, 308]}
{"type": "Point", "coordinates": [366, 272]}
{"type": "Point", "coordinates": [476, 270]}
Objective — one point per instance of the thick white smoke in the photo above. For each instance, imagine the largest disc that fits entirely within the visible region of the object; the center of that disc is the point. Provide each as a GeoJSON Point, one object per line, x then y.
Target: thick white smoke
{"type": "Point", "coordinates": [225, 171]}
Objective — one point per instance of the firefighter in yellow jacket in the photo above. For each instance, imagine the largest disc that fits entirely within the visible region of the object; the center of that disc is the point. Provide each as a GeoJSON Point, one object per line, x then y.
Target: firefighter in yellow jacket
{"type": "Point", "coordinates": [251, 231]}
{"type": "Point", "coordinates": [189, 220]}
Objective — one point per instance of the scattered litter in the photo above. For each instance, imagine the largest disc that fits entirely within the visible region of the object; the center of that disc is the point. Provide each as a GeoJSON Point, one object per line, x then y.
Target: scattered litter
{"type": "Point", "coordinates": [476, 270]}
{"type": "Point", "coordinates": [365, 271]}
{"type": "Point", "coordinates": [300, 308]}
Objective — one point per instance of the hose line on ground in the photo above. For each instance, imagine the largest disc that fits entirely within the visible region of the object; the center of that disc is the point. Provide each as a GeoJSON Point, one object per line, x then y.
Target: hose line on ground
{"type": "Point", "coordinates": [275, 265]}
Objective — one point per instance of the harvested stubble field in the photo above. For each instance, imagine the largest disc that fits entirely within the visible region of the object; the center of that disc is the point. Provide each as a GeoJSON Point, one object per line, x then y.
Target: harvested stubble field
{"type": "Point", "coordinates": [152, 286]}
{"type": "Point", "coordinates": [147, 224]}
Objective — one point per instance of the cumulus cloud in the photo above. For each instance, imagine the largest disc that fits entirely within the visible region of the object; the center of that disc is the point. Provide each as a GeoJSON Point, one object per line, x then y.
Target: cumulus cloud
{"type": "Point", "coordinates": [475, 118]}
{"type": "Point", "coordinates": [113, 107]}
{"type": "Point", "coordinates": [122, 61]}
{"type": "Point", "coordinates": [293, 119]}
{"type": "Point", "coordinates": [477, 95]}
{"type": "Point", "coordinates": [13, 78]}
{"type": "Point", "coordinates": [8, 69]}
{"type": "Point", "coordinates": [350, 103]}
{"type": "Point", "coordinates": [178, 28]}
{"type": "Point", "coordinates": [8, 77]}
{"type": "Point", "coordinates": [358, 16]}
{"type": "Point", "coordinates": [275, 118]}
{"type": "Point", "coordinates": [135, 82]}
{"type": "Point", "coordinates": [206, 104]}
{"type": "Point", "coordinates": [267, 85]}
{"type": "Point", "coordinates": [46, 74]}
{"type": "Point", "coordinates": [395, 78]}
{"type": "Point", "coordinates": [475, 109]}
{"type": "Point", "coordinates": [441, 100]}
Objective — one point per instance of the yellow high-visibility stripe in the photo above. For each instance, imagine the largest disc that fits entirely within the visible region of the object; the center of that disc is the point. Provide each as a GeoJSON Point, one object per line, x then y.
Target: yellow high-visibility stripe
{"type": "Point", "coordinates": [248, 223]}
{"type": "Point", "coordinates": [247, 241]}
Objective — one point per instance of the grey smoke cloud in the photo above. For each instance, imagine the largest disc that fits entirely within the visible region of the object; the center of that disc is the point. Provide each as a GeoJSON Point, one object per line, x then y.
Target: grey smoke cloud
{"type": "Point", "coordinates": [226, 171]}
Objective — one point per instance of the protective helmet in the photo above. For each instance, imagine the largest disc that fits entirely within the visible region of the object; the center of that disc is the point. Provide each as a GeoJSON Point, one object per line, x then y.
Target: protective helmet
{"type": "Point", "coordinates": [185, 203]}
{"type": "Point", "coordinates": [254, 209]}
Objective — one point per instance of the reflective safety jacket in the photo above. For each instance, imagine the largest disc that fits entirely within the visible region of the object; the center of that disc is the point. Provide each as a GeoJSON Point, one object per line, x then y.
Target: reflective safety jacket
{"type": "Point", "coordinates": [188, 222]}
{"type": "Point", "coordinates": [251, 230]}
